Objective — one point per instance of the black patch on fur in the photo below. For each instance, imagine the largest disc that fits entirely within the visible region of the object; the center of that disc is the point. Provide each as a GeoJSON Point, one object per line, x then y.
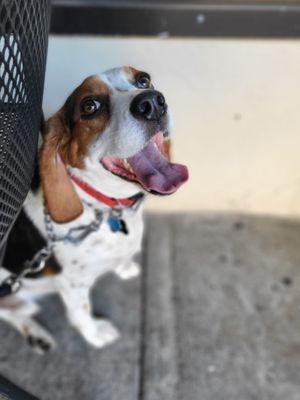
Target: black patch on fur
{"type": "Point", "coordinates": [69, 112]}
{"type": "Point", "coordinates": [36, 179]}
{"type": "Point", "coordinates": [23, 243]}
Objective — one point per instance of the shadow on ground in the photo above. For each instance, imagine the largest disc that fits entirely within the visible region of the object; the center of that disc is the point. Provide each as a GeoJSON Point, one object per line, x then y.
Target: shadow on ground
{"type": "Point", "coordinates": [215, 316]}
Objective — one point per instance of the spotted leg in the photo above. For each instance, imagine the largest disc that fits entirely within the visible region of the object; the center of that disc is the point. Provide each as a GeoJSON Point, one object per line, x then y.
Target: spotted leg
{"type": "Point", "coordinates": [19, 314]}
{"type": "Point", "coordinates": [98, 332]}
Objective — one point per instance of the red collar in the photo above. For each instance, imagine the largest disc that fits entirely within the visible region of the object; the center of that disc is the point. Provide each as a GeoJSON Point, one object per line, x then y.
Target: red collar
{"type": "Point", "coordinates": [109, 201]}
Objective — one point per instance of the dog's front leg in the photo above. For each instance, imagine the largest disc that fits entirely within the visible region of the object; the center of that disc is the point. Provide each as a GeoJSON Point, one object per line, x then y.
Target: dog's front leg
{"type": "Point", "coordinates": [76, 296]}
{"type": "Point", "coordinates": [128, 270]}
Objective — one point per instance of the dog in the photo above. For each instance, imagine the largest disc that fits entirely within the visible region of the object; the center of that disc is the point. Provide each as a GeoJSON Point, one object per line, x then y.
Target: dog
{"type": "Point", "coordinates": [106, 148]}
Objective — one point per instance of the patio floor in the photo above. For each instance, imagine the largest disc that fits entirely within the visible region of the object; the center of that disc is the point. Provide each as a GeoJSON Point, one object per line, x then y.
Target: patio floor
{"type": "Point", "coordinates": [214, 316]}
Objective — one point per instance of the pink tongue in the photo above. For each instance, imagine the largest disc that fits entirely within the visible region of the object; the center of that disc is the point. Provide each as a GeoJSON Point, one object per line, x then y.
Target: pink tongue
{"type": "Point", "coordinates": [155, 172]}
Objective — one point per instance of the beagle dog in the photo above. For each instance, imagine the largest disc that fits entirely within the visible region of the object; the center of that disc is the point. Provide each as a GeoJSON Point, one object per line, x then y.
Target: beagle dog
{"type": "Point", "coordinates": [102, 151]}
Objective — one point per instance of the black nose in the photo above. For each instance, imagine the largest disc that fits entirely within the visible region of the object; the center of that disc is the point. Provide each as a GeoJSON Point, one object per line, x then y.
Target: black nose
{"type": "Point", "coordinates": [149, 105]}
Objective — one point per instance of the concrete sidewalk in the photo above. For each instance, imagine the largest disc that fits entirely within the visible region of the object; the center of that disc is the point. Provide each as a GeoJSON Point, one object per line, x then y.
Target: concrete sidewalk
{"type": "Point", "coordinates": [215, 316]}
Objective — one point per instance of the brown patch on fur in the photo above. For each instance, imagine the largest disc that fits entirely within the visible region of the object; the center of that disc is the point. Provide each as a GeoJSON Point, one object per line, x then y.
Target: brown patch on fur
{"type": "Point", "coordinates": [83, 132]}
{"type": "Point", "coordinates": [10, 302]}
{"type": "Point", "coordinates": [86, 307]}
{"type": "Point", "coordinates": [131, 72]}
{"type": "Point", "coordinates": [167, 148]}
{"type": "Point", "coordinates": [51, 270]}
{"type": "Point", "coordinates": [66, 142]}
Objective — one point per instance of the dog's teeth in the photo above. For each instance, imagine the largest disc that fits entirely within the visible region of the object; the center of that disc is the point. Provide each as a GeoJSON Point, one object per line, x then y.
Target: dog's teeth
{"type": "Point", "coordinates": [127, 165]}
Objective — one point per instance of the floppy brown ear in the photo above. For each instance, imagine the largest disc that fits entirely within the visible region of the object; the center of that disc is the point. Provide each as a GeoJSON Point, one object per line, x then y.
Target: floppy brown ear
{"type": "Point", "coordinates": [61, 199]}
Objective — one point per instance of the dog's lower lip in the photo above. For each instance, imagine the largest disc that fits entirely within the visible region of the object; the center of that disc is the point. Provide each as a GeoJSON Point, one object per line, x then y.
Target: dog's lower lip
{"type": "Point", "coordinates": [124, 171]}
{"type": "Point", "coordinates": [134, 180]}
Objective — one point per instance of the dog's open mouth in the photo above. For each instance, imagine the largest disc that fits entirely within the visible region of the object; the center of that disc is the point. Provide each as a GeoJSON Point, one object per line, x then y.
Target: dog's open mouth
{"type": "Point", "coordinates": [150, 167]}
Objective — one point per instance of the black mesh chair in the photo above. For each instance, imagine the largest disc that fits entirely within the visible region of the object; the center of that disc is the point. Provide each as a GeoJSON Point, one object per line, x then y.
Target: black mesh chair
{"type": "Point", "coordinates": [23, 48]}
{"type": "Point", "coordinates": [24, 26]}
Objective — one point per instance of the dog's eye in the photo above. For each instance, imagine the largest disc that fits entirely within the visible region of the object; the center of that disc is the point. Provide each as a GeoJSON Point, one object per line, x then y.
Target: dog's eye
{"type": "Point", "coordinates": [143, 81]}
{"type": "Point", "coordinates": [89, 107]}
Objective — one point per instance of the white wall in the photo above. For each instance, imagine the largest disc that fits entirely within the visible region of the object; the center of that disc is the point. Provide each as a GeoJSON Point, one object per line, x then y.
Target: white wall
{"type": "Point", "coordinates": [236, 108]}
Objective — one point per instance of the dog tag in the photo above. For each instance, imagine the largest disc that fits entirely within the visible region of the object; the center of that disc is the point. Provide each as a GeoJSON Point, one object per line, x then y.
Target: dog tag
{"type": "Point", "coordinates": [117, 224]}
{"type": "Point", "coordinates": [124, 228]}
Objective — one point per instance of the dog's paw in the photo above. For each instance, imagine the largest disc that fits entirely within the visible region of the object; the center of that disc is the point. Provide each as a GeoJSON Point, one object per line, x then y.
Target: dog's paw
{"type": "Point", "coordinates": [40, 340]}
{"type": "Point", "coordinates": [102, 334]}
{"type": "Point", "coordinates": [40, 345]}
{"type": "Point", "coordinates": [128, 271]}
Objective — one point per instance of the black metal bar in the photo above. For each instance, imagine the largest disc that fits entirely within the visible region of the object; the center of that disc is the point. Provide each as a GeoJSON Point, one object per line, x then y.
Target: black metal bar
{"type": "Point", "coordinates": [265, 19]}
{"type": "Point", "coordinates": [9, 391]}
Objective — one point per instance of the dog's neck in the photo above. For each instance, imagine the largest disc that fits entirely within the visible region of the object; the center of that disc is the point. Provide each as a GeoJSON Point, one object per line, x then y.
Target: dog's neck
{"type": "Point", "coordinates": [112, 202]}
{"type": "Point", "coordinates": [95, 175]}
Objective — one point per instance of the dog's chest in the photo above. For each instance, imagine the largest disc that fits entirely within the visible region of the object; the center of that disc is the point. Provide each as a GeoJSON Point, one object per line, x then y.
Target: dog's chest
{"type": "Point", "coordinates": [100, 251]}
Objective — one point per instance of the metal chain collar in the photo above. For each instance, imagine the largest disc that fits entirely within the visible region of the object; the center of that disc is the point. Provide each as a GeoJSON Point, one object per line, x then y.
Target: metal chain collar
{"type": "Point", "coordinates": [76, 235]}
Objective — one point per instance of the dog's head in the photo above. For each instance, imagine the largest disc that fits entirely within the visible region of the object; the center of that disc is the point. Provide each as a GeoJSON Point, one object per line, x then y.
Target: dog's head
{"type": "Point", "coordinates": [113, 132]}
